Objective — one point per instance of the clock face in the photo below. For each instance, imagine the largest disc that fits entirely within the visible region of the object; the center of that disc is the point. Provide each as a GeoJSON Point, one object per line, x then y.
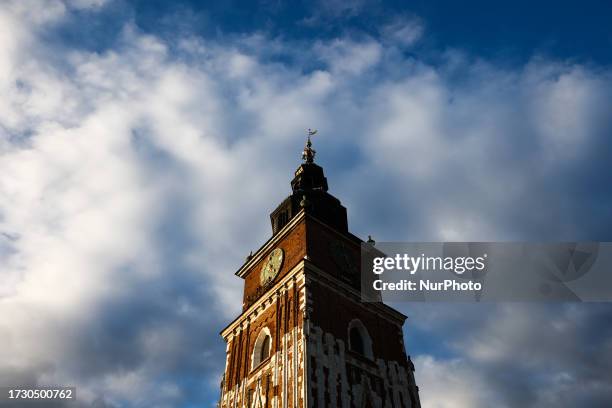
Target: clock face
{"type": "Point", "coordinates": [272, 266]}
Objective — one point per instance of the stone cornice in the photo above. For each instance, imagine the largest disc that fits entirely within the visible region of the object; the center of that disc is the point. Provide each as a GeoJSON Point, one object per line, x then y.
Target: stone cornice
{"type": "Point", "coordinates": [270, 243]}
{"type": "Point", "coordinates": [352, 294]}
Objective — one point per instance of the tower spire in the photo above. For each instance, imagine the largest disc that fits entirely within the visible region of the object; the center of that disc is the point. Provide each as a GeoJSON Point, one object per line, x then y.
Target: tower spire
{"type": "Point", "coordinates": [308, 154]}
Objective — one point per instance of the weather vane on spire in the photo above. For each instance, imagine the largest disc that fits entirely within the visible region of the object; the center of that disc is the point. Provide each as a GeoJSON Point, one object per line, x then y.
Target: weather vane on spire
{"type": "Point", "coordinates": [309, 153]}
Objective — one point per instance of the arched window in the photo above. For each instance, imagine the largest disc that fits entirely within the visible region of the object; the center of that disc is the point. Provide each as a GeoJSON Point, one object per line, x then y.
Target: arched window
{"type": "Point", "coordinates": [356, 341]}
{"type": "Point", "coordinates": [265, 348]}
{"type": "Point", "coordinates": [261, 350]}
{"type": "Point", "coordinates": [359, 339]}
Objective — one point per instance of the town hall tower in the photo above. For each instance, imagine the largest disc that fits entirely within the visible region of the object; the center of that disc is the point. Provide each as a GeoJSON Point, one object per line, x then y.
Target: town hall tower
{"type": "Point", "coordinates": [304, 338]}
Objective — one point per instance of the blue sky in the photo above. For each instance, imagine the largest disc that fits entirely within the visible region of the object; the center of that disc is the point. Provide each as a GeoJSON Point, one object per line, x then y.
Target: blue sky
{"type": "Point", "coordinates": [512, 32]}
{"type": "Point", "coordinates": [143, 145]}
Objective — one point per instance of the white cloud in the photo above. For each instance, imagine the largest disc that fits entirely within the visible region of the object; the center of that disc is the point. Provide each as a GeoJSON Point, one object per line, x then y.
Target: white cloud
{"type": "Point", "coordinates": [135, 180]}
{"type": "Point", "coordinates": [567, 106]}
{"type": "Point", "coordinates": [452, 384]}
{"type": "Point", "coordinates": [349, 57]}
{"type": "Point", "coordinates": [404, 31]}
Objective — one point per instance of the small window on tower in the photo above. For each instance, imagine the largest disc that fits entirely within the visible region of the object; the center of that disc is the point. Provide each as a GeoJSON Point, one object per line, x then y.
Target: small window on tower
{"type": "Point", "coordinates": [261, 350]}
{"type": "Point", "coordinates": [282, 220]}
{"type": "Point", "coordinates": [250, 398]}
{"type": "Point", "coordinates": [265, 348]}
{"type": "Point", "coordinates": [359, 339]}
{"type": "Point", "coordinates": [356, 341]}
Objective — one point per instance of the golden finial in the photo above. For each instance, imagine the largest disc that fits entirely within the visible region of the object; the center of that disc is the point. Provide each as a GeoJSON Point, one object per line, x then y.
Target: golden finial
{"type": "Point", "coordinates": [309, 153]}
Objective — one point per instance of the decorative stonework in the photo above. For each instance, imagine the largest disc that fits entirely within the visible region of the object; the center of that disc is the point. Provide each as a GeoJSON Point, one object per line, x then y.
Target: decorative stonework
{"type": "Point", "coordinates": [349, 382]}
